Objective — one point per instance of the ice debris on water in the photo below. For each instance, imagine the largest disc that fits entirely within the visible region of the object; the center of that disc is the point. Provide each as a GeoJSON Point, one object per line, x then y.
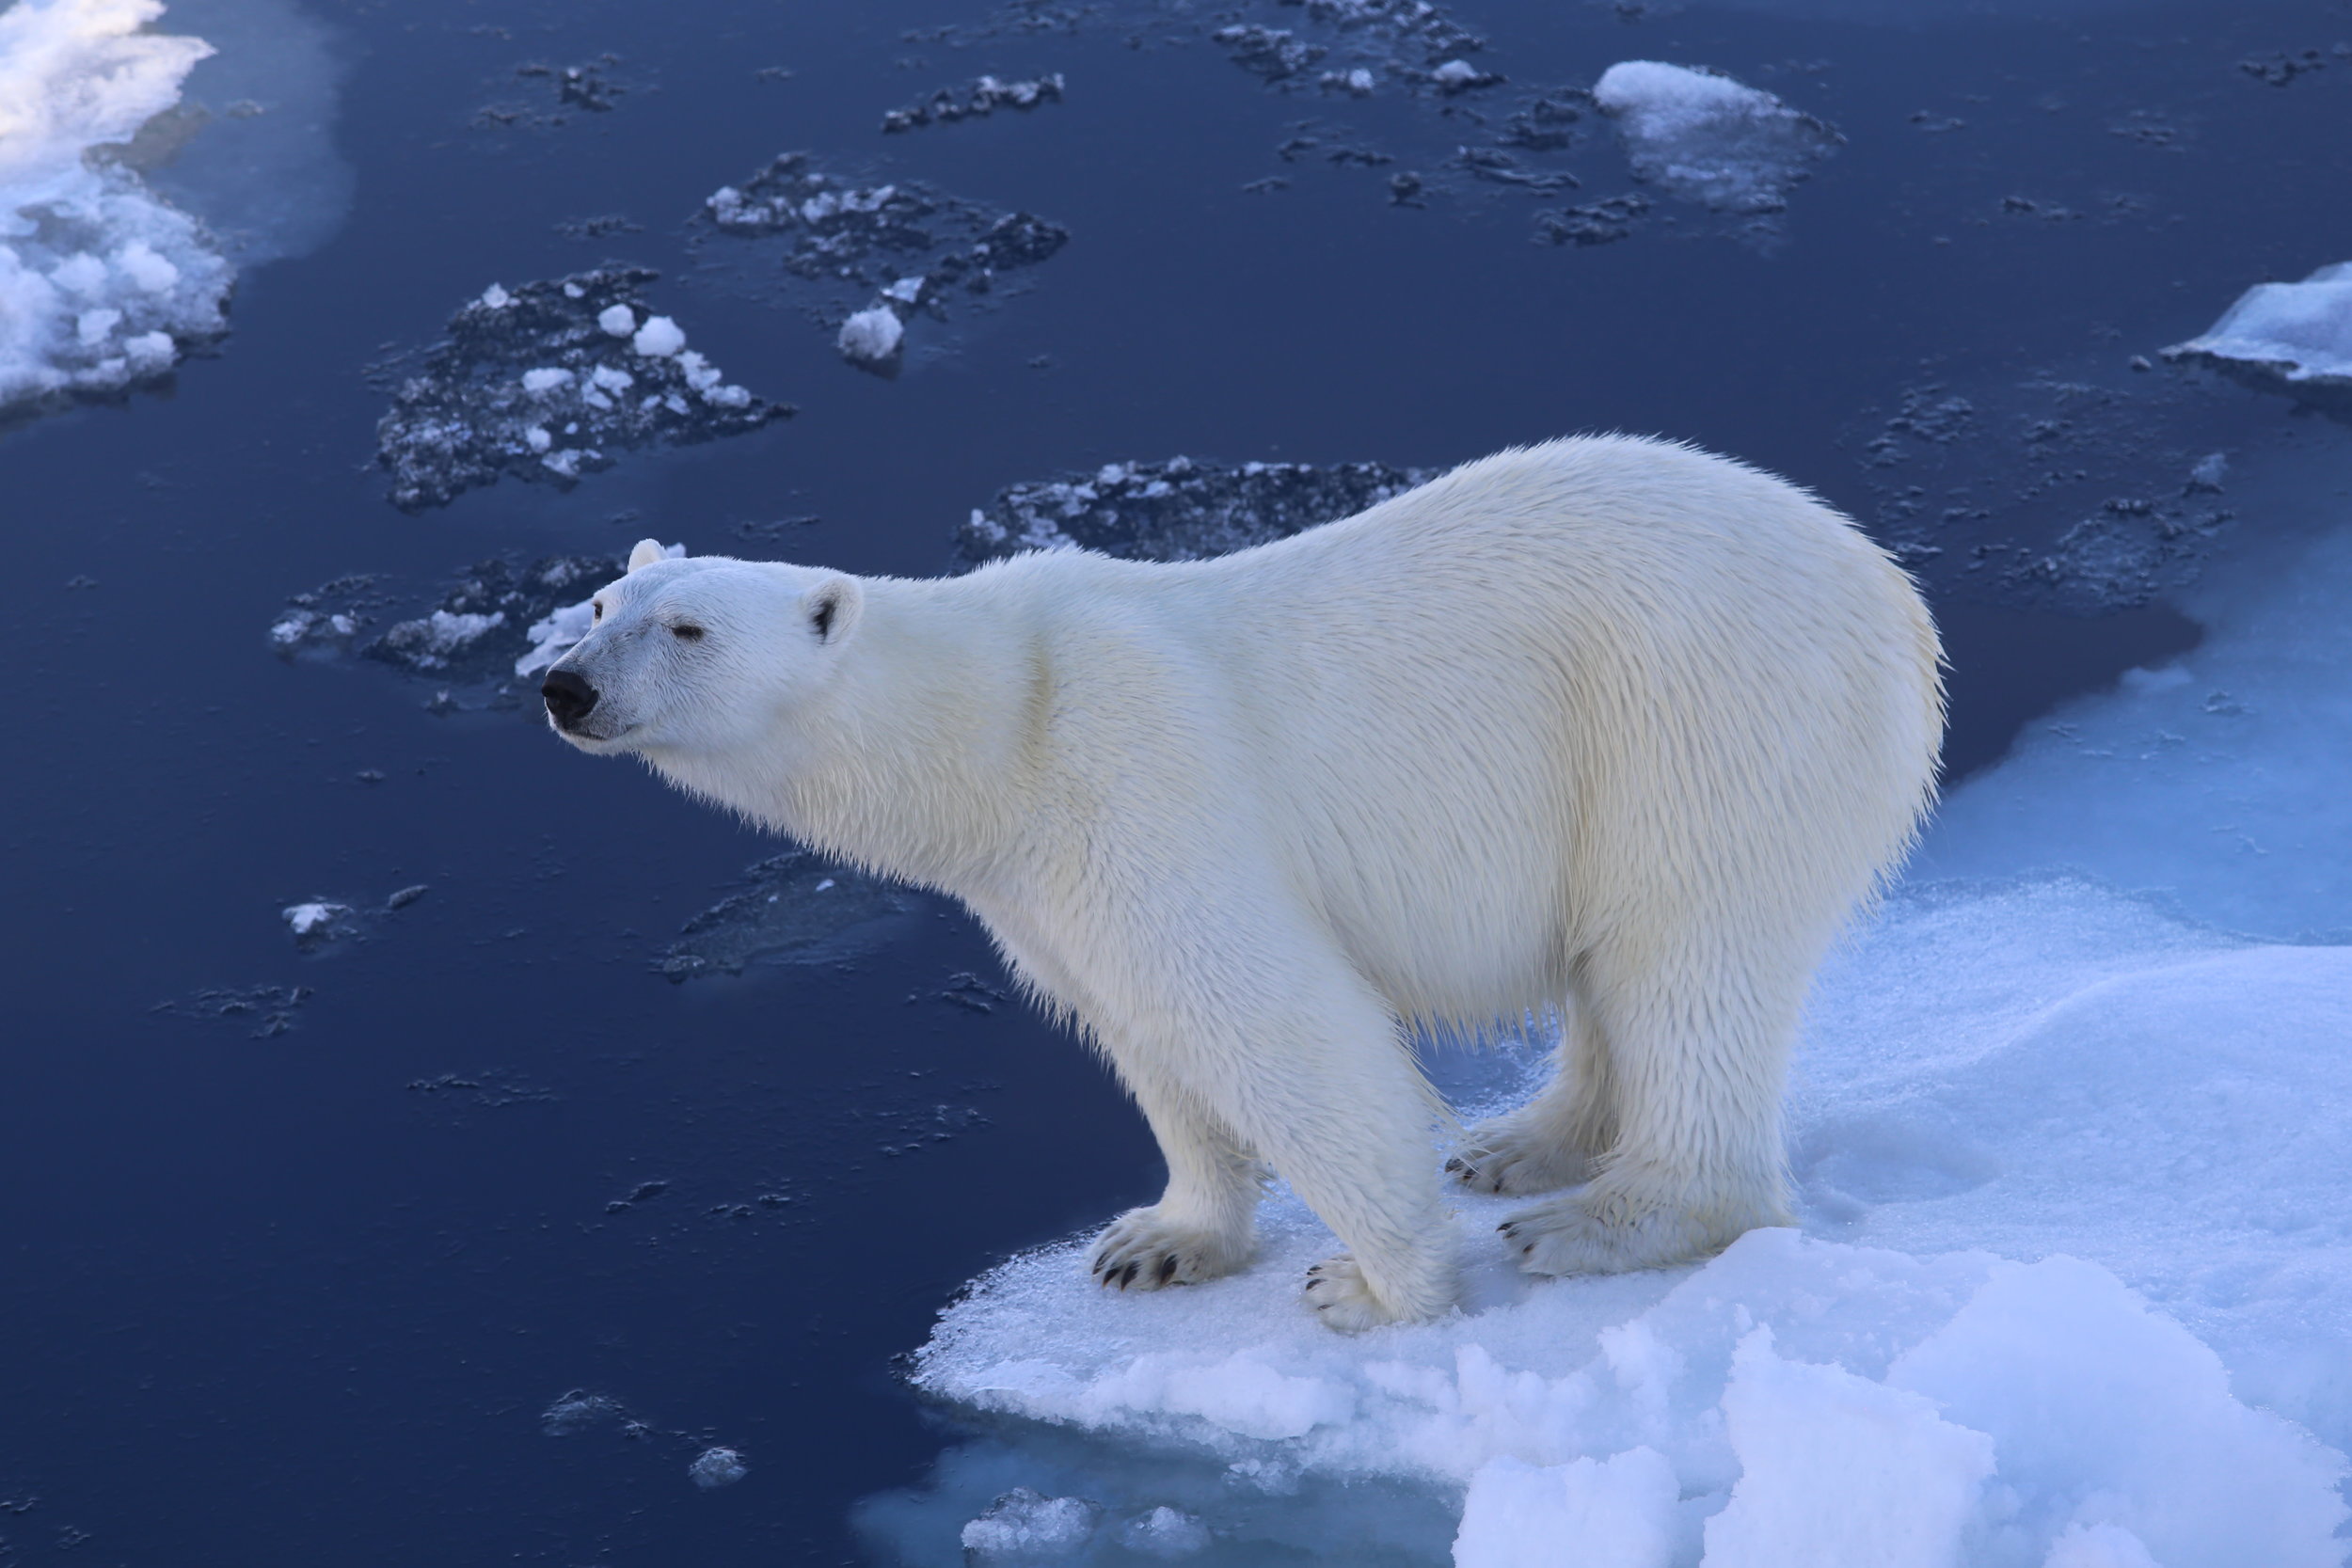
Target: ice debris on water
{"type": "Point", "coordinates": [1165, 1532]}
{"type": "Point", "coordinates": [794, 907]}
{"type": "Point", "coordinates": [1025, 1524]}
{"type": "Point", "coordinates": [870, 338]}
{"type": "Point", "coordinates": [103, 283]}
{"type": "Point", "coordinates": [1706, 138]}
{"type": "Point", "coordinates": [1181, 509]}
{"type": "Point", "coordinates": [546, 382]}
{"type": "Point", "coordinates": [495, 624]}
{"type": "Point", "coordinates": [578, 1411]}
{"type": "Point", "coordinates": [975, 101]}
{"type": "Point", "coordinates": [907, 245]}
{"type": "Point", "coordinates": [2293, 337]}
{"type": "Point", "coordinates": [715, 1467]}
{"type": "Point", "coordinates": [270, 1009]}
{"type": "Point", "coordinates": [317, 920]}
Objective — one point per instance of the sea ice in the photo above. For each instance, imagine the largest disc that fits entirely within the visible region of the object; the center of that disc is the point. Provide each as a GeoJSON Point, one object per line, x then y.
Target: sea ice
{"type": "Point", "coordinates": [1177, 510]}
{"type": "Point", "coordinates": [795, 908]}
{"type": "Point", "coordinates": [1022, 1524]}
{"type": "Point", "coordinates": [316, 918]}
{"type": "Point", "coordinates": [1708, 138]}
{"type": "Point", "coordinates": [102, 282]}
{"type": "Point", "coordinates": [2285, 337]}
{"type": "Point", "coordinates": [975, 101]}
{"type": "Point", "coordinates": [871, 337]}
{"type": "Point", "coordinates": [716, 1467]}
{"type": "Point", "coordinates": [527, 388]}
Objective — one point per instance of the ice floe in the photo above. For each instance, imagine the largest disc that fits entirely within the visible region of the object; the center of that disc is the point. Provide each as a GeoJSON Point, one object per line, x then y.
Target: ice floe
{"type": "Point", "coordinates": [1706, 138]}
{"type": "Point", "coordinates": [547, 382]}
{"type": "Point", "coordinates": [2294, 338]}
{"type": "Point", "coordinates": [976, 99]}
{"type": "Point", "coordinates": [903, 241]}
{"type": "Point", "coordinates": [1180, 509]}
{"type": "Point", "coordinates": [102, 282]}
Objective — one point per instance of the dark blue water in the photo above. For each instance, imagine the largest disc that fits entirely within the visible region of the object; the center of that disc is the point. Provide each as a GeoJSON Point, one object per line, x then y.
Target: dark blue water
{"type": "Point", "coordinates": [302, 1299]}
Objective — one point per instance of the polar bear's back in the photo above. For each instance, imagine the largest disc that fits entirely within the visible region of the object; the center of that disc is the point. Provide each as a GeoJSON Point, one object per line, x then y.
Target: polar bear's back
{"type": "Point", "coordinates": [1565, 693]}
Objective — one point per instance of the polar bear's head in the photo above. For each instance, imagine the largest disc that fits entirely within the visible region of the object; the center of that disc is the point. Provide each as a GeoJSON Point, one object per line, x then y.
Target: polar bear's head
{"type": "Point", "coordinates": [699, 659]}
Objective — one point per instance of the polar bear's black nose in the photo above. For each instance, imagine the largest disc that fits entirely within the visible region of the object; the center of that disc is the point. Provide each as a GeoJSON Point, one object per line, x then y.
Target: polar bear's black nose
{"type": "Point", "coordinates": [570, 698]}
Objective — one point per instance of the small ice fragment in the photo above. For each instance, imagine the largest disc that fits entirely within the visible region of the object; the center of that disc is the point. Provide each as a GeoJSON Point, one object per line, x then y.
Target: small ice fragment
{"type": "Point", "coordinates": [619, 321]}
{"type": "Point", "coordinates": [614, 379]}
{"type": "Point", "coordinates": [576, 1412]}
{"type": "Point", "coordinates": [1359, 80]}
{"type": "Point", "coordinates": [1165, 1532]}
{"type": "Point", "coordinates": [728, 397]}
{"type": "Point", "coordinates": [342, 625]}
{"type": "Point", "coordinates": [2211, 470]}
{"type": "Point", "coordinates": [823, 885]}
{"type": "Point", "coordinates": [906, 291]}
{"type": "Point", "coordinates": [1023, 1523]}
{"type": "Point", "coordinates": [658, 338]}
{"type": "Point", "coordinates": [700, 374]}
{"type": "Point", "coordinates": [573, 290]}
{"type": "Point", "coordinates": [675, 404]}
{"type": "Point", "coordinates": [288, 630]}
{"type": "Point", "coordinates": [544, 379]}
{"type": "Point", "coordinates": [1453, 76]}
{"type": "Point", "coordinates": [872, 336]}
{"type": "Point", "coordinates": [537, 438]}
{"type": "Point", "coordinates": [497, 298]}
{"type": "Point", "coordinates": [311, 918]}
{"type": "Point", "coordinates": [565, 463]}
{"type": "Point", "coordinates": [402, 897]}
{"type": "Point", "coordinates": [2297, 333]}
{"type": "Point", "coordinates": [596, 400]}
{"type": "Point", "coordinates": [716, 1467]}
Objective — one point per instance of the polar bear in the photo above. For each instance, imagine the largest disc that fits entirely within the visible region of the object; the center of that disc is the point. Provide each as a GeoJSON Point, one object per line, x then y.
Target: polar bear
{"type": "Point", "coordinates": [1606, 729]}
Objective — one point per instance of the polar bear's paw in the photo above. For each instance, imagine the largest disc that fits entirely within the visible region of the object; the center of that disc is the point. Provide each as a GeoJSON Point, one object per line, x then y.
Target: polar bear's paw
{"type": "Point", "coordinates": [1342, 1298]}
{"type": "Point", "coordinates": [1143, 1250]}
{"type": "Point", "coordinates": [1517, 1157]}
{"type": "Point", "coordinates": [1594, 1232]}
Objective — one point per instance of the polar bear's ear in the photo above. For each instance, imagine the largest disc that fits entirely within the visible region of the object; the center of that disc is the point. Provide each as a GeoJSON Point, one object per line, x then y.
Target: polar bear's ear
{"type": "Point", "coordinates": [832, 608]}
{"type": "Point", "coordinates": [646, 553]}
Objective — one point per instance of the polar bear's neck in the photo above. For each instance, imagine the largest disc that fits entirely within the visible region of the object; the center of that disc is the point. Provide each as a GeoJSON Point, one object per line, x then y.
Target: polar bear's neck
{"type": "Point", "coordinates": [913, 762]}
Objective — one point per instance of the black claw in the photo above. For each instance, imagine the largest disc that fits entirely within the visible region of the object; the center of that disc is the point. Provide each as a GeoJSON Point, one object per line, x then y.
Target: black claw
{"type": "Point", "coordinates": [1127, 1274]}
{"type": "Point", "coordinates": [1168, 1268]}
{"type": "Point", "coordinates": [1458, 1163]}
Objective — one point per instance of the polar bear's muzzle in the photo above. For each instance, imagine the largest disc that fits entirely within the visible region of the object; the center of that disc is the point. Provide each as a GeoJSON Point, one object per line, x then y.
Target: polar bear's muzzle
{"type": "Point", "coordinates": [570, 698]}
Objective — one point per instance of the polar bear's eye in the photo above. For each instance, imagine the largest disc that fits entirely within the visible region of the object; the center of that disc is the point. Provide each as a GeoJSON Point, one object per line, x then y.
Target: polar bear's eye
{"type": "Point", "coordinates": [689, 633]}
{"type": "Point", "coordinates": [596, 609]}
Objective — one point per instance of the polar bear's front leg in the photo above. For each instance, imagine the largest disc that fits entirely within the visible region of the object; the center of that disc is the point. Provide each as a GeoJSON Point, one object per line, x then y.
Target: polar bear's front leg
{"type": "Point", "coordinates": [1202, 1227]}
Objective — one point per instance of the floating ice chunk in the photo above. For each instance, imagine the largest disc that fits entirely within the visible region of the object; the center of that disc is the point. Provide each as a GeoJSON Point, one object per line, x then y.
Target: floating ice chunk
{"type": "Point", "coordinates": [1619, 1514]}
{"type": "Point", "coordinates": [700, 373]}
{"type": "Point", "coordinates": [577, 1411]}
{"type": "Point", "coordinates": [100, 278]}
{"type": "Point", "coordinates": [1165, 1532]}
{"type": "Point", "coordinates": [537, 438]}
{"type": "Point", "coordinates": [715, 1467]}
{"type": "Point", "coordinates": [728, 397]}
{"type": "Point", "coordinates": [1836, 1468]}
{"type": "Point", "coordinates": [871, 337]}
{"type": "Point", "coordinates": [1024, 1523]}
{"type": "Point", "coordinates": [553, 636]}
{"type": "Point", "coordinates": [612, 377]}
{"type": "Point", "coordinates": [1451, 77]}
{"type": "Point", "coordinates": [429, 642]}
{"type": "Point", "coordinates": [1708, 138]}
{"type": "Point", "coordinates": [315, 918]}
{"type": "Point", "coordinates": [2298, 334]}
{"type": "Point", "coordinates": [618, 320]}
{"type": "Point", "coordinates": [658, 338]}
{"type": "Point", "coordinates": [497, 298]}
{"type": "Point", "coordinates": [905, 291]}
{"type": "Point", "coordinates": [544, 379]}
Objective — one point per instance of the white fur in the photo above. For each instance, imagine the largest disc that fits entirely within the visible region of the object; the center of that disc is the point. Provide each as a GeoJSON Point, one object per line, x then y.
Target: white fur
{"type": "Point", "coordinates": [1605, 726]}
